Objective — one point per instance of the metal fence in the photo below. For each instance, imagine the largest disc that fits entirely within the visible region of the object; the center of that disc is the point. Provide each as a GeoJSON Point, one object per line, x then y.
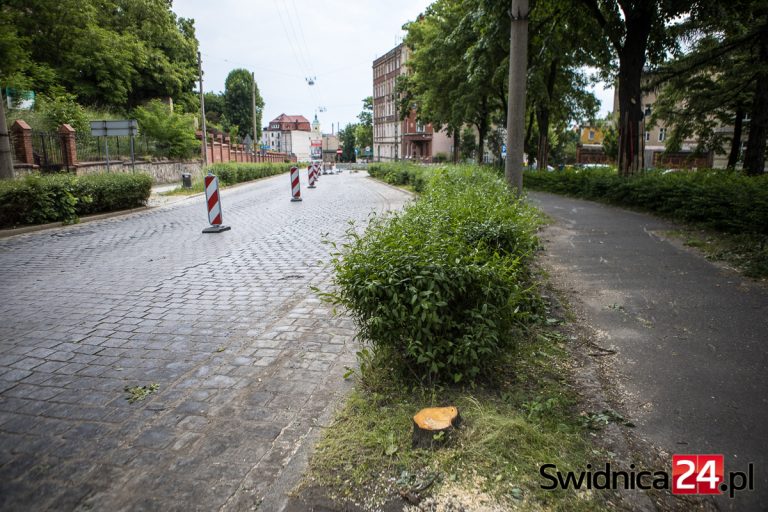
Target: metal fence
{"type": "Point", "coordinates": [46, 150]}
{"type": "Point", "coordinates": [94, 149]}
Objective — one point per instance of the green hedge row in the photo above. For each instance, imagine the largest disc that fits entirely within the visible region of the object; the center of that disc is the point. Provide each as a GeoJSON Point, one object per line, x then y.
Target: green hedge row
{"type": "Point", "coordinates": [231, 173]}
{"type": "Point", "coordinates": [439, 288]}
{"type": "Point", "coordinates": [401, 173]}
{"type": "Point", "coordinates": [63, 198]}
{"type": "Point", "coordinates": [728, 201]}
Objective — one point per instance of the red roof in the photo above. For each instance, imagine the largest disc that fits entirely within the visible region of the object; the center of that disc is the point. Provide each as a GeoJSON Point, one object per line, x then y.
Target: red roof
{"type": "Point", "coordinates": [282, 118]}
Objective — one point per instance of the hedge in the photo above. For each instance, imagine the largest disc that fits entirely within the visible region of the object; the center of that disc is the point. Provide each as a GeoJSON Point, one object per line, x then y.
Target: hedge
{"type": "Point", "coordinates": [401, 173]}
{"type": "Point", "coordinates": [63, 198]}
{"type": "Point", "coordinates": [439, 289]}
{"type": "Point", "coordinates": [231, 173]}
{"type": "Point", "coordinates": [723, 200]}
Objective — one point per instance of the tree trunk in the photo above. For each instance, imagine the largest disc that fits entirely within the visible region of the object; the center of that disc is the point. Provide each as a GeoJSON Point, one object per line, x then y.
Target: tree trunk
{"type": "Point", "coordinates": [482, 130]}
{"type": "Point", "coordinates": [733, 157]}
{"type": "Point", "coordinates": [431, 425]}
{"type": "Point", "coordinates": [6, 159]}
{"type": "Point", "coordinates": [542, 115]}
{"type": "Point", "coordinates": [518, 67]}
{"type": "Point", "coordinates": [529, 132]}
{"type": "Point", "coordinates": [456, 144]}
{"type": "Point", "coordinates": [542, 158]}
{"type": "Point", "coordinates": [754, 158]}
{"type": "Point", "coordinates": [631, 63]}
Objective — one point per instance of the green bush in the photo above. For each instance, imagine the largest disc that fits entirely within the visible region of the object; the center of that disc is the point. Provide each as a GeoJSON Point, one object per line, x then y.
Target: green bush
{"type": "Point", "coordinates": [439, 289]}
{"type": "Point", "coordinates": [62, 109]}
{"type": "Point", "coordinates": [723, 200]}
{"type": "Point", "coordinates": [112, 191]}
{"type": "Point", "coordinates": [401, 174]}
{"type": "Point", "coordinates": [231, 173]}
{"type": "Point", "coordinates": [174, 133]}
{"type": "Point", "coordinates": [62, 198]}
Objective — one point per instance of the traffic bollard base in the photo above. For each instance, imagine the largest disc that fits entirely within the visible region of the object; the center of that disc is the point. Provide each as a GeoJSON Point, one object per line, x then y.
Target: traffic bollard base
{"type": "Point", "coordinates": [217, 229]}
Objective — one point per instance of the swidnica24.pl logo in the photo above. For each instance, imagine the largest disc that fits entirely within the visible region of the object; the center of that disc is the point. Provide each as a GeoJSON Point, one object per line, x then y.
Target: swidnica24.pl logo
{"type": "Point", "coordinates": [691, 474]}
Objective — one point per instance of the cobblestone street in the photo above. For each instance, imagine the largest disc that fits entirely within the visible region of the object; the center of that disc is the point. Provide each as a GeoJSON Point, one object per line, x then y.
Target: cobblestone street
{"type": "Point", "coordinates": [247, 359]}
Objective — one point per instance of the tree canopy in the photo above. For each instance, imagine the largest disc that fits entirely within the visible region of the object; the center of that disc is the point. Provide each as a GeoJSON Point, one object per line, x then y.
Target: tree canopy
{"type": "Point", "coordinates": [238, 89]}
{"type": "Point", "coordinates": [113, 53]}
{"type": "Point", "coordinates": [459, 65]}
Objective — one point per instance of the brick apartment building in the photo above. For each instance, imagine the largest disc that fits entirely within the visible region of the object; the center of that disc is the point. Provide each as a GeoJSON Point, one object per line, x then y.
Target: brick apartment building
{"type": "Point", "coordinates": [394, 139]}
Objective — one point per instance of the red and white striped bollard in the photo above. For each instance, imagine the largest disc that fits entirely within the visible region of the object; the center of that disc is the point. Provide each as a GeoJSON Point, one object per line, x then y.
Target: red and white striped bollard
{"type": "Point", "coordinates": [213, 202]}
{"type": "Point", "coordinates": [295, 185]}
{"type": "Point", "coordinates": [311, 176]}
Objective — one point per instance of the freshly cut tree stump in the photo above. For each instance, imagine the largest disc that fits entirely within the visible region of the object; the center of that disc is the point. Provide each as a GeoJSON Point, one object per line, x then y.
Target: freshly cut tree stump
{"type": "Point", "coordinates": [430, 422]}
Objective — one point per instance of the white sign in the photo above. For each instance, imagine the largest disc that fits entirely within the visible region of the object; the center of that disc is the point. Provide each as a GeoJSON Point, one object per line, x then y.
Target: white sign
{"type": "Point", "coordinates": [114, 128]}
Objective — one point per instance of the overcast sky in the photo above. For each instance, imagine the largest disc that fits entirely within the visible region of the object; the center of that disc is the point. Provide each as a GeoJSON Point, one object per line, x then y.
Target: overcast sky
{"type": "Point", "coordinates": [287, 41]}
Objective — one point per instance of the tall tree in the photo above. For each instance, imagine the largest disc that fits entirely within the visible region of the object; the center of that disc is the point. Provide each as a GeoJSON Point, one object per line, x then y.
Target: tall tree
{"type": "Point", "coordinates": [116, 53]}
{"type": "Point", "coordinates": [719, 81]}
{"type": "Point", "coordinates": [347, 138]}
{"type": "Point", "coordinates": [364, 129]}
{"type": "Point", "coordinates": [638, 32]}
{"type": "Point", "coordinates": [238, 88]}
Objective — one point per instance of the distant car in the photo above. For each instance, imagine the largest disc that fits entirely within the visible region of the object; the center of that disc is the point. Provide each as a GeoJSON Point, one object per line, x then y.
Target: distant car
{"type": "Point", "coordinates": [535, 167]}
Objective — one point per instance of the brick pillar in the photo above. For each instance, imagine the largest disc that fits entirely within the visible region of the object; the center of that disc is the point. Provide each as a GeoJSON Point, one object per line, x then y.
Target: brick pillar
{"type": "Point", "coordinates": [221, 147]}
{"type": "Point", "coordinates": [22, 142]}
{"type": "Point", "coordinates": [68, 145]}
{"type": "Point", "coordinates": [211, 154]}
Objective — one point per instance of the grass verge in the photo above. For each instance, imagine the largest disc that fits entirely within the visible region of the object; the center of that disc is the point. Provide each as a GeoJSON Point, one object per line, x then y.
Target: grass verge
{"type": "Point", "coordinates": [747, 253]}
{"type": "Point", "coordinates": [527, 415]}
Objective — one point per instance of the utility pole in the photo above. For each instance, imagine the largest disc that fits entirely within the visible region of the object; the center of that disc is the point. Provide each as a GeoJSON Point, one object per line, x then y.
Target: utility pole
{"type": "Point", "coordinates": [6, 159]}
{"type": "Point", "coordinates": [518, 70]}
{"type": "Point", "coordinates": [202, 110]}
{"type": "Point", "coordinates": [253, 105]}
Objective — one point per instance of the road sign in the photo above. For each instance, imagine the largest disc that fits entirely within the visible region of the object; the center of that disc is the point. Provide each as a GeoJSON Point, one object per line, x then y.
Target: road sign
{"type": "Point", "coordinates": [119, 128]}
{"type": "Point", "coordinates": [503, 151]}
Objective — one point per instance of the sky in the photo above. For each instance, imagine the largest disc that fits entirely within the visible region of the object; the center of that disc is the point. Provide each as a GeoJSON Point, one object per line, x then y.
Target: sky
{"type": "Point", "coordinates": [285, 42]}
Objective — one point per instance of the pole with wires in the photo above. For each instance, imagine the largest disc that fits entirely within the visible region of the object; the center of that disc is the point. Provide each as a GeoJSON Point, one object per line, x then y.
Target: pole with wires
{"type": "Point", "coordinates": [253, 104]}
{"type": "Point", "coordinates": [202, 110]}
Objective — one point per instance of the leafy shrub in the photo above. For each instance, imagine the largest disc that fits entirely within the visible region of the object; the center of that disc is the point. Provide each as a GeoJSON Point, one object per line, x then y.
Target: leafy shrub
{"type": "Point", "coordinates": [401, 173]}
{"type": "Point", "coordinates": [439, 288]}
{"type": "Point", "coordinates": [112, 191]}
{"type": "Point", "coordinates": [231, 173]}
{"type": "Point", "coordinates": [728, 201]}
{"type": "Point", "coordinates": [62, 109]}
{"type": "Point", "coordinates": [174, 133]}
{"type": "Point", "coordinates": [40, 199]}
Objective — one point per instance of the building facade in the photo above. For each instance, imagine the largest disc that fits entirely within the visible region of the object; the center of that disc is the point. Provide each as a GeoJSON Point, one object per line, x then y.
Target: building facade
{"type": "Point", "coordinates": [387, 128]}
{"type": "Point", "coordinates": [395, 139]}
{"type": "Point", "coordinates": [289, 134]}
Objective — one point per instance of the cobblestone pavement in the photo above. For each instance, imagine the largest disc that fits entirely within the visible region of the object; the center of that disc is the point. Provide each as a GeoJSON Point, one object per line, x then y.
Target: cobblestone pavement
{"type": "Point", "coordinates": [245, 356]}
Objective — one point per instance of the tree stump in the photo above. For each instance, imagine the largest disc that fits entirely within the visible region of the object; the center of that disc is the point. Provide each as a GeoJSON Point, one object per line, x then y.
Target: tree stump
{"type": "Point", "coordinates": [431, 425]}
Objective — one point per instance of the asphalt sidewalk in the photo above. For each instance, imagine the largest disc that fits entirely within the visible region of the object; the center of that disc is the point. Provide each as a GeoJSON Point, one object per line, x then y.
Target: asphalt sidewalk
{"type": "Point", "coordinates": [688, 340]}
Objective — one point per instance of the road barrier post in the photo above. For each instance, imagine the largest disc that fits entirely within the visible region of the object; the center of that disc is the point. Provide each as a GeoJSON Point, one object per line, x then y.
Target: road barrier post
{"type": "Point", "coordinates": [295, 185]}
{"type": "Point", "coordinates": [213, 201]}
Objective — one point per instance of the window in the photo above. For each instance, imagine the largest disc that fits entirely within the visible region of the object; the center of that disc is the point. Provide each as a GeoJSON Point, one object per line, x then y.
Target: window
{"type": "Point", "coordinates": [648, 109]}
{"type": "Point", "coordinates": [662, 134]}
{"type": "Point", "coordinates": [275, 126]}
{"type": "Point", "coordinates": [591, 134]}
{"type": "Point", "coordinates": [419, 127]}
{"type": "Point", "coordinates": [647, 136]}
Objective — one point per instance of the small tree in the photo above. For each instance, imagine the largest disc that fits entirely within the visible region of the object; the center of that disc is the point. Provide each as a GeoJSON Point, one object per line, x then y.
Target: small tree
{"type": "Point", "coordinates": [174, 133]}
{"type": "Point", "coordinates": [348, 142]}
